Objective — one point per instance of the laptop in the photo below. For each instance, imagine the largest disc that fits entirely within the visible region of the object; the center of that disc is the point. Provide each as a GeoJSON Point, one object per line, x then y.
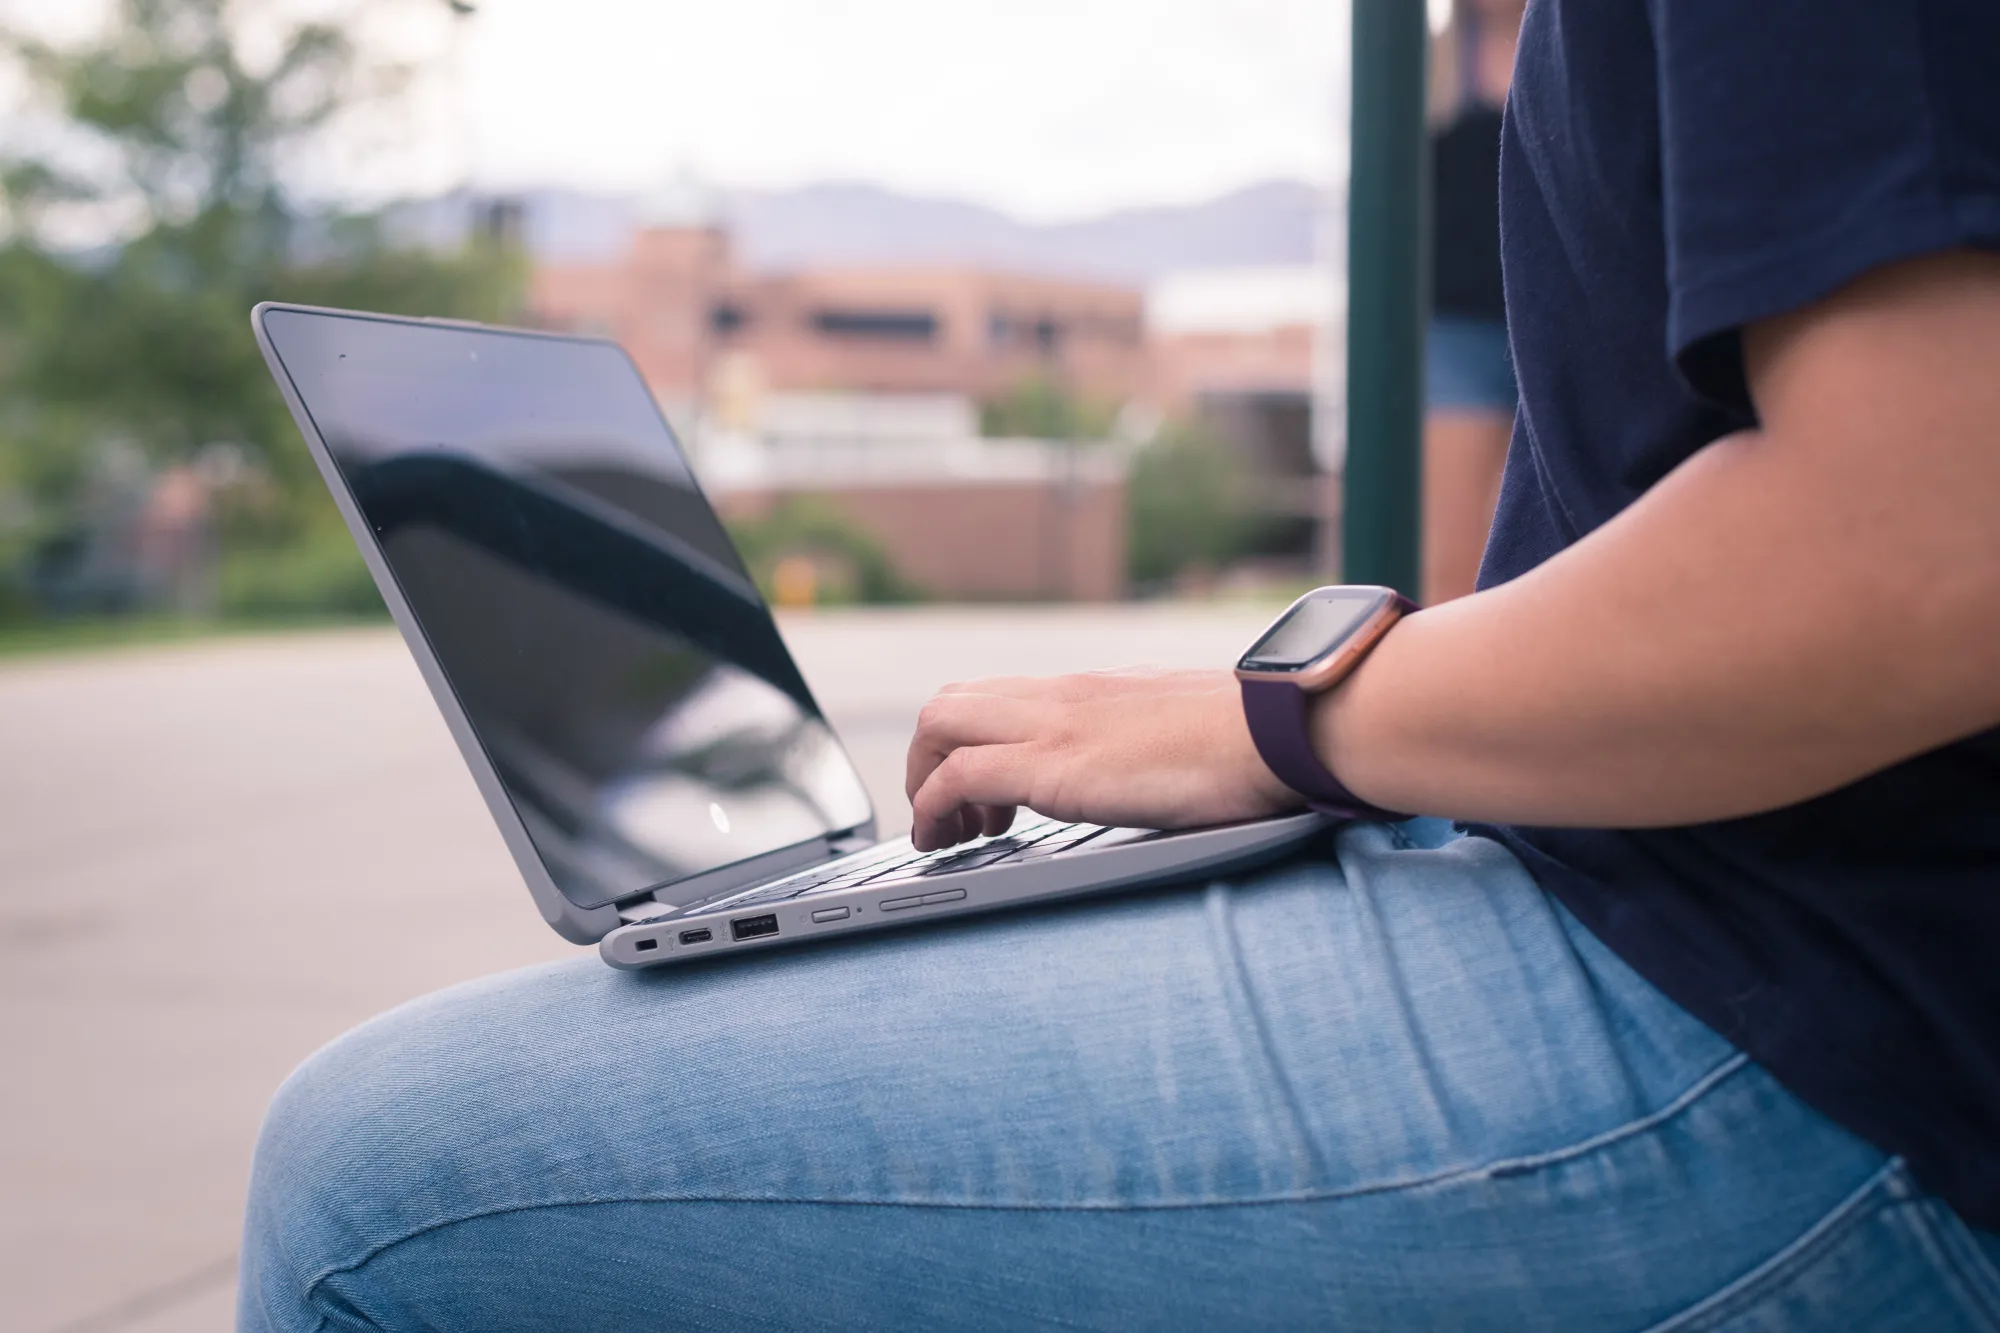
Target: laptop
{"type": "Point", "coordinates": [621, 693]}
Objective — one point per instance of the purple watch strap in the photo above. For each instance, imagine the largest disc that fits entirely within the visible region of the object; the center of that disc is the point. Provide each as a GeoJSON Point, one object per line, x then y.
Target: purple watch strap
{"type": "Point", "coordinates": [1280, 726]}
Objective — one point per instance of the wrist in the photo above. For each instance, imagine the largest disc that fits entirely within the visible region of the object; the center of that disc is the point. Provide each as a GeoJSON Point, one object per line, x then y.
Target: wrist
{"type": "Point", "coordinates": [1307, 652]}
{"type": "Point", "coordinates": [1347, 726]}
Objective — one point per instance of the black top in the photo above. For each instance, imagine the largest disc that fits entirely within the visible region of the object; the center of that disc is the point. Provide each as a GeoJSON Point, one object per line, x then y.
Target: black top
{"type": "Point", "coordinates": [1671, 173]}
{"type": "Point", "coordinates": [1465, 216]}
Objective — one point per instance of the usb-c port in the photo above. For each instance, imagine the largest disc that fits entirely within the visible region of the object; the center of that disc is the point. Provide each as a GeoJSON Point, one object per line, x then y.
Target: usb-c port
{"type": "Point", "coordinates": [697, 936]}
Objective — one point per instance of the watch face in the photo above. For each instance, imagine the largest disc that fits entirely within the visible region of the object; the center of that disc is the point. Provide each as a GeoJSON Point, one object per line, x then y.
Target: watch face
{"type": "Point", "coordinates": [1316, 625]}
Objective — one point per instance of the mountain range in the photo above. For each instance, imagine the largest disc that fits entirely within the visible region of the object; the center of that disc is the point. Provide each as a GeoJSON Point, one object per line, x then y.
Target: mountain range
{"type": "Point", "coordinates": [852, 223]}
{"type": "Point", "coordinates": [1269, 223]}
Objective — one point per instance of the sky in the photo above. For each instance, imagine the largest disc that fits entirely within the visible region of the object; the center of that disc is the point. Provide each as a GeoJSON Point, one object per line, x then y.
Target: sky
{"type": "Point", "coordinates": [1047, 108]}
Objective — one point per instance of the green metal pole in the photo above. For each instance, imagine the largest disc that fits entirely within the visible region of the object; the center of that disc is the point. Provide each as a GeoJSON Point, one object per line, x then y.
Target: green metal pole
{"type": "Point", "coordinates": [1388, 252]}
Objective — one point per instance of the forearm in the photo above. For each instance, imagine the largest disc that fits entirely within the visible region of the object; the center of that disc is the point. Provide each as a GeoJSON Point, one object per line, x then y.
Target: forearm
{"type": "Point", "coordinates": [1784, 614]}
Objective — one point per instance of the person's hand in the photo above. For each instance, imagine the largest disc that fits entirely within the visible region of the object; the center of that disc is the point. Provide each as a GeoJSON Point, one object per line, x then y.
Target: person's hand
{"type": "Point", "coordinates": [1133, 748]}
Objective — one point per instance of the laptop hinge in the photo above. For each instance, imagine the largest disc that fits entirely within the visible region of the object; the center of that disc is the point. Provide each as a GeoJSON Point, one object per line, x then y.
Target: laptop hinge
{"type": "Point", "coordinates": [742, 875]}
{"type": "Point", "coordinates": [846, 844]}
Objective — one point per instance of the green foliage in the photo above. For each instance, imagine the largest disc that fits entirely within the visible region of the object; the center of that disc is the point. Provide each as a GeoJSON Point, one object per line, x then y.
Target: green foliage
{"type": "Point", "coordinates": [146, 345]}
{"type": "Point", "coordinates": [24, 638]}
{"type": "Point", "coordinates": [1187, 506]}
{"type": "Point", "coordinates": [188, 127]}
{"type": "Point", "coordinates": [317, 575]}
{"type": "Point", "coordinates": [1040, 408]}
{"type": "Point", "coordinates": [16, 603]}
{"type": "Point", "coordinates": [853, 567]}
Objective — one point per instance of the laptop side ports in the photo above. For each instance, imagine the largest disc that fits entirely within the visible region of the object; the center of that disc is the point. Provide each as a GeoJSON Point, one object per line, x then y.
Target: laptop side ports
{"type": "Point", "coordinates": [754, 927]}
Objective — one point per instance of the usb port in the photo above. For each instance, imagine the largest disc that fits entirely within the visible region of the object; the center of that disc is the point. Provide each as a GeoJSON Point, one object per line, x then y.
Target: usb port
{"type": "Point", "coordinates": [697, 936]}
{"type": "Point", "coordinates": [754, 927]}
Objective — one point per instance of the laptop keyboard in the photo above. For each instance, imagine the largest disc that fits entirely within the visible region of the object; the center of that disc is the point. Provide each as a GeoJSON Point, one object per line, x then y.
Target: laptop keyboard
{"type": "Point", "coordinates": [896, 862]}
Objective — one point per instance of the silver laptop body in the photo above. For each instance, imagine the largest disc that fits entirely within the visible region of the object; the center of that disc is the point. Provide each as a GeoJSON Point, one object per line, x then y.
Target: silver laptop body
{"type": "Point", "coordinates": [655, 761]}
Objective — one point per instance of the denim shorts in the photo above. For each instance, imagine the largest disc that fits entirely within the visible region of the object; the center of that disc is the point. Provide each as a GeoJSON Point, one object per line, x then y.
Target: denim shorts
{"type": "Point", "coordinates": [1467, 366]}
{"type": "Point", "coordinates": [1390, 1085]}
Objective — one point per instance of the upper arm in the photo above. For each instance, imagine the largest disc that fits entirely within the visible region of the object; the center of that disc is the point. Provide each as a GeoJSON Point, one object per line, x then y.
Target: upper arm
{"type": "Point", "coordinates": [1880, 408]}
{"type": "Point", "coordinates": [1896, 378]}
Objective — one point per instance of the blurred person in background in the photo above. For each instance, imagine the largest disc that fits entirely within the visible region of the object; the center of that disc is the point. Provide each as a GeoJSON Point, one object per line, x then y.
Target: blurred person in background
{"type": "Point", "coordinates": [1692, 1022]}
{"type": "Point", "coordinates": [1469, 390]}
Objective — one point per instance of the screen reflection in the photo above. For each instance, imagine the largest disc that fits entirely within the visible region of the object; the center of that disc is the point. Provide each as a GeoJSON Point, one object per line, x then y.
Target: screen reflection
{"type": "Point", "coordinates": [614, 658]}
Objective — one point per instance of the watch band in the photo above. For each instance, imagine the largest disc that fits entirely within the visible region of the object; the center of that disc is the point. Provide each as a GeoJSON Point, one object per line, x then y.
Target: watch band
{"type": "Point", "coordinates": [1280, 717]}
{"type": "Point", "coordinates": [1279, 714]}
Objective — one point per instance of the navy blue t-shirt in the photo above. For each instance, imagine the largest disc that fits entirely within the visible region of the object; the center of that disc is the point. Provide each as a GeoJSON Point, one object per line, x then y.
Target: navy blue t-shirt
{"type": "Point", "coordinates": [1671, 171]}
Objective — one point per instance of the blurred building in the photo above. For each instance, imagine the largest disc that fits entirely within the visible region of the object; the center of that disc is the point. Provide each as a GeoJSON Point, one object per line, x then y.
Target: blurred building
{"type": "Point", "coordinates": [861, 387]}
{"type": "Point", "coordinates": [688, 313]}
{"type": "Point", "coordinates": [961, 517]}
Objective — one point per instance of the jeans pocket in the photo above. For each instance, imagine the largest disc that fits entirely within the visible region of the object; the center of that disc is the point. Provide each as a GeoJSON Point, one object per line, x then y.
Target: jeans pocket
{"type": "Point", "coordinates": [1888, 1259]}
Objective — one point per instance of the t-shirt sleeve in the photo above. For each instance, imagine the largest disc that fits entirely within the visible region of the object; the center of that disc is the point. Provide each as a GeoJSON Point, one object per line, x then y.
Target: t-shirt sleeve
{"type": "Point", "coordinates": [1804, 142]}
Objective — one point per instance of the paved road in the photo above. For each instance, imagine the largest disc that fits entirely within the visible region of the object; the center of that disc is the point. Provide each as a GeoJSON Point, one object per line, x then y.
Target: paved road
{"type": "Point", "coordinates": [215, 858]}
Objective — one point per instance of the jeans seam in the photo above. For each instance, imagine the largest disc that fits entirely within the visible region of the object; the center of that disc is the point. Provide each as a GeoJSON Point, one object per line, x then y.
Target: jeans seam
{"type": "Point", "coordinates": [1891, 1184]}
{"type": "Point", "coordinates": [276, 1239]}
{"type": "Point", "coordinates": [1734, 1296]}
{"type": "Point", "coordinates": [1488, 1170]}
{"type": "Point", "coordinates": [1570, 1152]}
{"type": "Point", "coordinates": [1963, 1266]}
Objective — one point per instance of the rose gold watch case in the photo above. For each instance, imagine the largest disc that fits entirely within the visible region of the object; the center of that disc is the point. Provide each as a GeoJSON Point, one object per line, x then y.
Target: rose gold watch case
{"type": "Point", "coordinates": [1325, 672]}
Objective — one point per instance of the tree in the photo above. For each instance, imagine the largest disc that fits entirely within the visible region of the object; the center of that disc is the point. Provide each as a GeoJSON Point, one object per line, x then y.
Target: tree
{"type": "Point", "coordinates": [192, 129]}
{"type": "Point", "coordinates": [1041, 408]}
{"type": "Point", "coordinates": [170, 125]}
{"type": "Point", "coordinates": [1188, 505]}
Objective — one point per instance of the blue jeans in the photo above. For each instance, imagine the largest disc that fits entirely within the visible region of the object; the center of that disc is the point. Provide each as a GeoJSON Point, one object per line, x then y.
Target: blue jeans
{"type": "Point", "coordinates": [1394, 1086]}
{"type": "Point", "coordinates": [1467, 366]}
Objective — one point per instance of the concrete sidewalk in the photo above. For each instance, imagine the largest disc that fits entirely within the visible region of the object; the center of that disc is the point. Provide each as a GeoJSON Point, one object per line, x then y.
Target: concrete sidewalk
{"type": "Point", "coordinates": [214, 858]}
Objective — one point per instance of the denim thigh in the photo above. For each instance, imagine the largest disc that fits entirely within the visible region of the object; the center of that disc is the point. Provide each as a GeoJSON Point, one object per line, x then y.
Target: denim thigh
{"type": "Point", "coordinates": [1389, 1085]}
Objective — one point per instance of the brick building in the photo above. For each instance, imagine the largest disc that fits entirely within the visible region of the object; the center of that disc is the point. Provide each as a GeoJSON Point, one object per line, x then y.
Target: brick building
{"type": "Point", "coordinates": [859, 387]}
{"type": "Point", "coordinates": [985, 520]}
{"type": "Point", "coordinates": [684, 309]}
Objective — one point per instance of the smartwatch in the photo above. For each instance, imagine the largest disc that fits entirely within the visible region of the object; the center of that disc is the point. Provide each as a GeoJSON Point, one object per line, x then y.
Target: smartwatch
{"type": "Point", "coordinates": [1307, 651]}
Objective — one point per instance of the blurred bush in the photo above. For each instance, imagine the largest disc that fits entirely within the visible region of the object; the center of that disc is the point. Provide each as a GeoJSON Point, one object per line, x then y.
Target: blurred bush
{"type": "Point", "coordinates": [802, 533]}
{"type": "Point", "coordinates": [1189, 508]}
{"type": "Point", "coordinates": [1041, 408]}
{"type": "Point", "coordinates": [315, 575]}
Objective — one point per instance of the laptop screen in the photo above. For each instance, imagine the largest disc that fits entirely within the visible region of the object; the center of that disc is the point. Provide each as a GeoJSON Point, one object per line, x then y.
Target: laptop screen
{"type": "Point", "coordinates": [613, 656]}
